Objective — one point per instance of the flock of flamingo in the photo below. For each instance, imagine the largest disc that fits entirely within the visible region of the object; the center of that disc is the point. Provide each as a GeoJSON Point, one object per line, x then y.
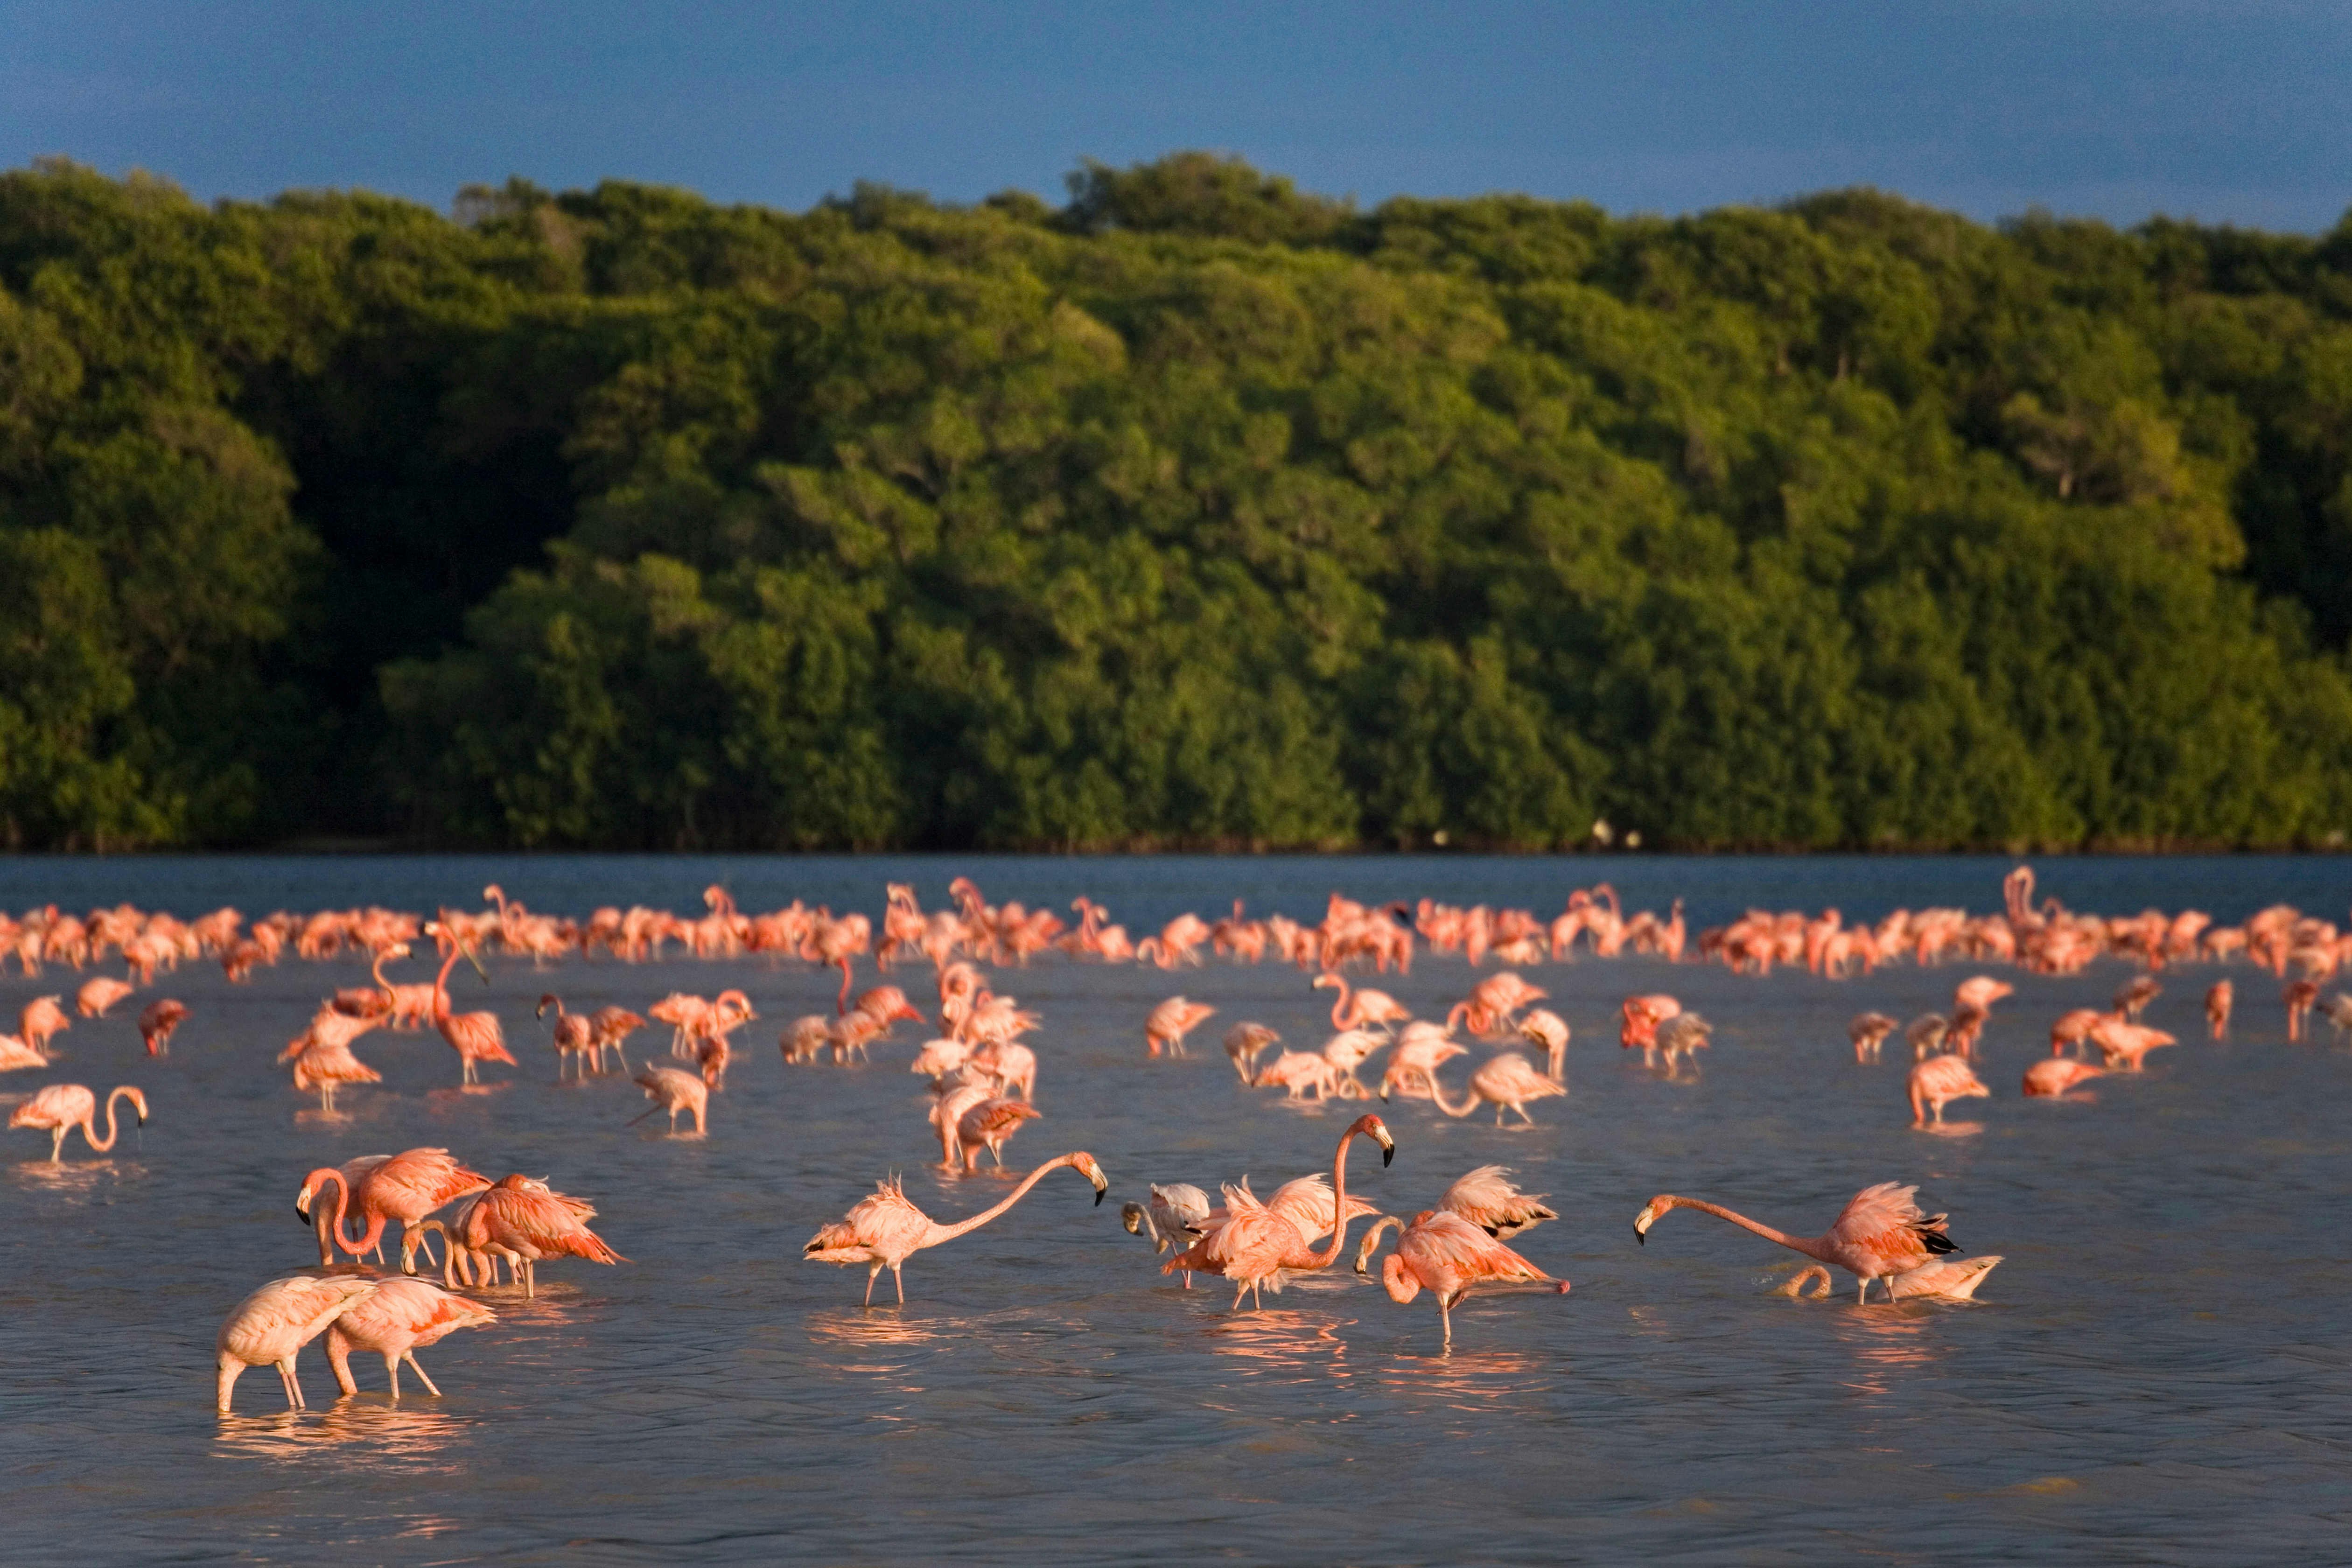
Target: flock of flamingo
{"type": "Point", "coordinates": [983, 1078]}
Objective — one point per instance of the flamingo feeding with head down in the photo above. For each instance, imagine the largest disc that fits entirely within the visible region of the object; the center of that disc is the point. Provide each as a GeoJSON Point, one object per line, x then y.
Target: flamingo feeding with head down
{"type": "Point", "coordinates": [269, 1327]}
{"type": "Point", "coordinates": [525, 1221]}
{"type": "Point", "coordinates": [1938, 1080]}
{"type": "Point", "coordinates": [882, 1230]}
{"type": "Point", "coordinates": [672, 1089]}
{"type": "Point", "coordinates": [1172, 1218]}
{"type": "Point", "coordinates": [1171, 1021]}
{"type": "Point", "coordinates": [392, 1322]}
{"type": "Point", "coordinates": [1449, 1256]}
{"type": "Point", "coordinates": [157, 1022]}
{"type": "Point", "coordinates": [2053, 1076]}
{"type": "Point", "coordinates": [62, 1107]}
{"type": "Point", "coordinates": [1506, 1082]}
{"type": "Point", "coordinates": [1361, 1008]}
{"type": "Point", "coordinates": [1880, 1232]}
{"type": "Point", "coordinates": [406, 1187]}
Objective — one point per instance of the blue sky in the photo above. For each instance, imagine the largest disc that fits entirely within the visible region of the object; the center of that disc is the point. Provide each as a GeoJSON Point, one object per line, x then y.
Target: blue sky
{"type": "Point", "coordinates": [2236, 113]}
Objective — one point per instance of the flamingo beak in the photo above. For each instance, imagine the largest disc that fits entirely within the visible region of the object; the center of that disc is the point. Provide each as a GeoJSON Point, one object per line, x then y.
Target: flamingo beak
{"type": "Point", "coordinates": [1641, 1226]}
{"type": "Point", "coordinates": [1388, 1144]}
{"type": "Point", "coordinates": [302, 1214]}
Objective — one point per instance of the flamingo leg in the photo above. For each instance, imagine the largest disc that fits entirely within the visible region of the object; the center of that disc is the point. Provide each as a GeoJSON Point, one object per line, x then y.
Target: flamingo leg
{"type": "Point", "coordinates": [869, 1282]}
{"type": "Point", "coordinates": [293, 1384]}
{"type": "Point", "coordinates": [1239, 1291]}
{"type": "Point", "coordinates": [900, 1281]}
{"type": "Point", "coordinates": [392, 1370]}
{"type": "Point", "coordinates": [530, 1279]}
{"type": "Point", "coordinates": [56, 1145]}
{"type": "Point", "coordinates": [1445, 1318]}
{"type": "Point", "coordinates": [418, 1367]}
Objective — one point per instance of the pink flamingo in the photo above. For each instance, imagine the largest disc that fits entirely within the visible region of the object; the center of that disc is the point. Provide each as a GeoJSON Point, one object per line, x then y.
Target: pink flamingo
{"type": "Point", "coordinates": [1449, 1256]}
{"type": "Point", "coordinates": [1358, 1009]}
{"type": "Point", "coordinates": [1257, 1244]}
{"type": "Point", "coordinates": [1946, 1279]}
{"type": "Point", "coordinates": [406, 1187]}
{"type": "Point", "coordinates": [97, 996]}
{"type": "Point", "coordinates": [269, 1327]}
{"type": "Point", "coordinates": [1939, 1079]}
{"type": "Point", "coordinates": [1173, 1218]}
{"type": "Point", "coordinates": [673, 1091]}
{"type": "Point", "coordinates": [883, 1230]}
{"type": "Point", "coordinates": [972, 1117]}
{"type": "Point", "coordinates": [158, 1022]}
{"type": "Point", "coordinates": [1506, 1082]}
{"type": "Point", "coordinates": [1868, 1032]}
{"type": "Point", "coordinates": [16, 1054]}
{"type": "Point", "coordinates": [522, 1220]}
{"type": "Point", "coordinates": [611, 1028]}
{"type": "Point", "coordinates": [2125, 1045]}
{"type": "Point", "coordinates": [2053, 1076]}
{"type": "Point", "coordinates": [1880, 1232]}
{"type": "Point", "coordinates": [1492, 1001]}
{"type": "Point", "coordinates": [1171, 1021]}
{"type": "Point", "coordinates": [393, 1321]}
{"type": "Point", "coordinates": [323, 1062]}
{"type": "Point", "coordinates": [475, 1037]}
{"type": "Point", "coordinates": [62, 1107]}
{"type": "Point", "coordinates": [42, 1021]}
{"type": "Point", "coordinates": [1544, 1028]}
{"type": "Point", "coordinates": [574, 1037]}
{"type": "Point", "coordinates": [322, 1222]}
{"type": "Point", "coordinates": [1412, 1066]}
{"type": "Point", "coordinates": [2218, 1002]}
{"type": "Point", "coordinates": [1244, 1043]}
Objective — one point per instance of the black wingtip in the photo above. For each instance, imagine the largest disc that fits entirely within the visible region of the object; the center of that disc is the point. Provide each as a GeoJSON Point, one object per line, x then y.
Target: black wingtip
{"type": "Point", "coordinates": [1939, 1243]}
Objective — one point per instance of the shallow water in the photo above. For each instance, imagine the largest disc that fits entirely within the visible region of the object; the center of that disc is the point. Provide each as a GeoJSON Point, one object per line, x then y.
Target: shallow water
{"type": "Point", "coordinates": [2157, 1373]}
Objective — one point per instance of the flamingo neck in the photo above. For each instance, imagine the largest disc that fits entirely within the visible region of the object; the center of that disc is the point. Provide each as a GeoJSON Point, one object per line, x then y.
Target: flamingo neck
{"type": "Point", "coordinates": [1814, 1246]}
{"type": "Point", "coordinates": [1340, 1008]}
{"type": "Point", "coordinates": [441, 982]}
{"type": "Point", "coordinates": [91, 1138]}
{"type": "Point", "coordinates": [1339, 1216]}
{"type": "Point", "coordinates": [1437, 1093]}
{"type": "Point", "coordinates": [940, 1233]}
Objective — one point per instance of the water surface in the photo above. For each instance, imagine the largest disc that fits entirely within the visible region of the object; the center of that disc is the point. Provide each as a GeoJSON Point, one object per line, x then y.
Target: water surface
{"type": "Point", "coordinates": [2157, 1373]}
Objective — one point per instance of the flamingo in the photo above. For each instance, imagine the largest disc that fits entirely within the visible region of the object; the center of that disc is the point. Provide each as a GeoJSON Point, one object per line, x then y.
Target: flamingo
{"type": "Point", "coordinates": [2299, 995]}
{"type": "Point", "coordinates": [936, 1059]}
{"type": "Point", "coordinates": [1172, 1218]}
{"type": "Point", "coordinates": [1494, 1205]}
{"type": "Point", "coordinates": [322, 1063]}
{"type": "Point", "coordinates": [1944, 1278]}
{"type": "Point", "coordinates": [1347, 1051]}
{"type": "Point", "coordinates": [883, 1230]}
{"type": "Point", "coordinates": [1443, 1252]}
{"type": "Point", "coordinates": [1171, 1021]}
{"type": "Point", "coordinates": [1013, 1065]}
{"type": "Point", "coordinates": [519, 1218]}
{"type": "Point", "coordinates": [1258, 1245]}
{"type": "Point", "coordinates": [157, 1022]}
{"type": "Point", "coordinates": [574, 1035]}
{"type": "Point", "coordinates": [16, 1054]}
{"type": "Point", "coordinates": [672, 1089]}
{"type": "Point", "coordinates": [2218, 1002]}
{"type": "Point", "coordinates": [1506, 1082]}
{"type": "Point", "coordinates": [1681, 1037]}
{"type": "Point", "coordinates": [971, 1118]}
{"type": "Point", "coordinates": [613, 1026]}
{"type": "Point", "coordinates": [1298, 1072]}
{"type": "Point", "coordinates": [2073, 1028]}
{"type": "Point", "coordinates": [406, 1187]}
{"type": "Point", "coordinates": [269, 1327]}
{"type": "Point", "coordinates": [392, 1320]}
{"type": "Point", "coordinates": [1880, 1232]}
{"type": "Point", "coordinates": [42, 1021]}
{"type": "Point", "coordinates": [2132, 996]}
{"type": "Point", "coordinates": [1868, 1032]}
{"type": "Point", "coordinates": [98, 995]}
{"type": "Point", "coordinates": [1244, 1043]}
{"type": "Point", "coordinates": [1642, 1015]}
{"type": "Point", "coordinates": [2053, 1076]}
{"type": "Point", "coordinates": [62, 1107]}
{"type": "Point", "coordinates": [1980, 993]}
{"type": "Point", "coordinates": [322, 1222]}
{"type": "Point", "coordinates": [475, 1037]}
{"type": "Point", "coordinates": [1357, 1009]}
{"type": "Point", "coordinates": [1412, 1066]}
{"type": "Point", "coordinates": [1939, 1079]}
{"type": "Point", "coordinates": [1544, 1028]}
{"type": "Point", "coordinates": [1492, 1002]}
{"type": "Point", "coordinates": [2124, 1045]}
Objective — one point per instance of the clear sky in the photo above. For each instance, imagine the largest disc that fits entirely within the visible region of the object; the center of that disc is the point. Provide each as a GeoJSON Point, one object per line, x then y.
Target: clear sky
{"type": "Point", "coordinates": [2236, 113]}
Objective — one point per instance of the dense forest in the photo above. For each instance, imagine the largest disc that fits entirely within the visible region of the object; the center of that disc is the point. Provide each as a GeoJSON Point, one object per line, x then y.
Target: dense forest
{"type": "Point", "coordinates": [1198, 510]}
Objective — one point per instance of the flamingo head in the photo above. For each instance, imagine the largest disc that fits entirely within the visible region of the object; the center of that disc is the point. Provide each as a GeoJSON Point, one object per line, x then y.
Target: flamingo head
{"type": "Point", "coordinates": [1131, 1215]}
{"type": "Point", "coordinates": [1327, 980]}
{"type": "Point", "coordinates": [1083, 1164]}
{"type": "Point", "coordinates": [1374, 1128]}
{"type": "Point", "coordinates": [549, 1000]}
{"type": "Point", "coordinates": [1649, 1216]}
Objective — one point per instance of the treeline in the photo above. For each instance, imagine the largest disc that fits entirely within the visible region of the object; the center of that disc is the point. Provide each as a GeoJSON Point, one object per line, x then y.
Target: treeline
{"type": "Point", "coordinates": [1197, 511]}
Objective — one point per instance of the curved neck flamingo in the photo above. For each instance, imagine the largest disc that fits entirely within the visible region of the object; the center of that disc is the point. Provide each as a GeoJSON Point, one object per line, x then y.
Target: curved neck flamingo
{"type": "Point", "coordinates": [1437, 1094]}
{"type": "Point", "coordinates": [1339, 1008]}
{"type": "Point", "coordinates": [939, 1233]}
{"type": "Point", "coordinates": [1371, 1126]}
{"type": "Point", "coordinates": [90, 1137]}
{"type": "Point", "coordinates": [337, 1227]}
{"type": "Point", "coordinates": [1813, 1246]}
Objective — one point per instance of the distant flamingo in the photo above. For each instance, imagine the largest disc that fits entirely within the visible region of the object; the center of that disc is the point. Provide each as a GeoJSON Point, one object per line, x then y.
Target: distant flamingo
{"type": "Point", "coordinates": [17, 1056]}
{"type": "Point", "coordinates": [672, 1089]}
{"type": "Point", "coordinates": [1170, 1021]}
{"type": "Point", "coordinates": [1488, 1008]}
{"type": "Point", "coordinates": [1938, 1080]}
{"type": "Point", "coordinates": [1244, 1043]}
{"type": "Point", "coordinates": [1412, 1066]}
{"type": "Point", "coordinates": [395, 1320]}
{"type": "Point", "coordinates": [883, 1230]}
{"type": "Point", "coordinates": [2218, 1002]}
{"type": "Point", "coordinates": [1355, 1010]}
{"type": "Point", "coordinates": [1449, 1256]}
{"type": "Point", "coordinates": [2053, 1076]}
{"type": "Point", "coordinates": [406, 1187]}
{"type": "Point", "coordinates": [1881, 1231]}
{"type": "Point", "coordinates": [1257, 1244]}
{"type": "Point", "coordinates": [269, 1327]}
{"type": "Point", "coordinates": [611, 1028]}
{"type": "Point", "coordinates": [158, 1022]}
{"type": "Point", "coordinates": [1868, 1032]}
{"type": "Point", "coordinates": [971, 1118]}
{"type": "Point", "coordinates": [2299, 995]}
{"type": "Point", "coordinates": [574, 1035]}
{"type": "Point", "coordinates": [42, 1021]}
{"type": "Point", "coordinates": [2125, 1045]}
{"type": "Point", "coordinates": [520, 1220]}
{"type": "Point", "coordinates": [1506, 1082]}
{"type": "Point", "coordinates": [62, 1107]}
{"type": "Point", "coordinates": [1544, 1028]}
{"type": "Point", "coordinates": [475, 1037]}
{"type": "Point", "coordinates": [97, 996]}
{"type": "Point", "coordinates": [322, 1063]}
{"type": "Point", "coordinates": [1642, 1015]}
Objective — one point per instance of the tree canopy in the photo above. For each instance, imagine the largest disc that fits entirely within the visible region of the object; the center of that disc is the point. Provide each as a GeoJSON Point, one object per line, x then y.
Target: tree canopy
{"type": "Point", "coordinates": [1200, 511]}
